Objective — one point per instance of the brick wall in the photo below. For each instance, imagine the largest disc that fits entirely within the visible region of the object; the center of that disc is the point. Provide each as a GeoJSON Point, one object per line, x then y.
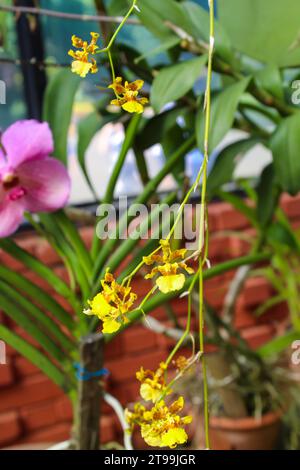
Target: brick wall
{"type": "Point", "coordinates": [33, 410]}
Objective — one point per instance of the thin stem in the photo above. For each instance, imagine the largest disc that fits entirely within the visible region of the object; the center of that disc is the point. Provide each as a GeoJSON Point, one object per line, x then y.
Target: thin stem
{"type": "Point", "coordinates": [183, 337]}
{"type": "Point", "coordinates": [121, 24]}
{"type": "Point", "coordinates": [111, 66]}
{"type": "Point", "coordinates": [202, 228]}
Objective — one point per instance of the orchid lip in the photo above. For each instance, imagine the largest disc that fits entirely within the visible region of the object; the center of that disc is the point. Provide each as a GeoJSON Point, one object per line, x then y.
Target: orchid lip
{"type": "Point", "coordinates": [9, 181]}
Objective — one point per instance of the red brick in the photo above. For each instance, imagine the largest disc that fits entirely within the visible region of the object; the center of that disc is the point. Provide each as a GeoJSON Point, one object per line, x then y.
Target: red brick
{"type": "Point", "coordinates": [47, 254]}
{"type": "Point", "coordinates": [32, 389]}
{"type": "Point", "coordinates": [87, 234]}
{"type": "Point", "coordinates": [108, 429]}
{"type": "Point", "coordinates": [10, 428]}
{"type": "Point", "coordinates": [24, 367]}
{"type": "Point", "coordinates": [137, 339]}
{"type": "Point", "coordinates": [225, 217]}
{"type": "Point", "coordinates": [7, 375]}
{"type": "Point", "coordinates": [256, 291]}
{"type": "Point", "coordinates": [52, 434]}
{"type": "Point", "coordinates": [28, 242]}
{"type": "Point", "coordinates": [63, 409]}
{"type": "Point", "coordinates": [125, 368]}
{"type": "Point", "coordinates": [258, 335]}
{"type": "Point", "coordinates": [38, 415]}
{"type": "Point", "coordinates": [219, 247]}
{"type": "Point", "coordinates": [10, 262]}
{"type": "Point", "coordinates": [291, 205]}
{"type": "Point", "coordinates": [114, 348]}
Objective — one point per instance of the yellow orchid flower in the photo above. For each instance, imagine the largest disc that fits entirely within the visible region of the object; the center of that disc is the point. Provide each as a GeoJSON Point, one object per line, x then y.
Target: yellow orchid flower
{"type": "Point", "coordinates": [169, 279]}
{"type": "Point", "coordinates": [161, 426]}
{"type": "Point", "coordinates": [112, 304]}
{"type": "Point", "coordinates": [127, 95]}
{"type": "Point", "coordinates": [82, 64]}
{"type": "Point", "coordinates": [153, 384]}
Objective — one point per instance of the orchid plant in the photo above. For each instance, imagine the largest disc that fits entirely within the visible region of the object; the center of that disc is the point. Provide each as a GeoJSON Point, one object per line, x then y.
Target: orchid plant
{"type": "Point", "coordinates": [34, 182]}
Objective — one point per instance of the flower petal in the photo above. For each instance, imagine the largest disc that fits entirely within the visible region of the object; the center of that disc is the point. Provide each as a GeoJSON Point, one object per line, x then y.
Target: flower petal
{"type": "Point", "coordinates": [170, 283]}
{"type": "Point", "coordinates": [173, 437]}
{"type": "Point", "coordinates": [11, 215]}
{"type": "Point", "coordinates": [47, 184]}
{"type": "Point", "coordinates": [133, 106]}
{"type": "Point", "coordinates": [110, 326]}
{"type": "Point", "coordinates": [26, 140]}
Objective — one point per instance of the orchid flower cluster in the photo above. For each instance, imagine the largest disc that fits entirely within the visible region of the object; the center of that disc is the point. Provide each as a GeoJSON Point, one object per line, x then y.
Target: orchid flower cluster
{"type": "Point", "coordinates": [84, 62]}
{"type": "Point", "coordinates": [31, 181]}
{"type": "Point", "coordinates": [161, 424]}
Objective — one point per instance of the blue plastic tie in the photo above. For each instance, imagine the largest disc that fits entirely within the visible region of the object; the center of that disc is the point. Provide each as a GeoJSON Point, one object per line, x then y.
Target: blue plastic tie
{"type": "Point", "coordinates": [83, 374]}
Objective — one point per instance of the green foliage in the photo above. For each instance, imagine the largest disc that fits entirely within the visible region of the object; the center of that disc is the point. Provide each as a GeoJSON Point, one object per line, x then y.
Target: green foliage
{"type": "Point", "coordinates": [224, 107]}
{"type": "Point", "coordinates": [285, 145]}
{"type": "Point", "coordinates": [265, 30]}
{"type": "Point", "coordinates": [174, 82]}
{"type": "Point", "coordinates": [58, 107]}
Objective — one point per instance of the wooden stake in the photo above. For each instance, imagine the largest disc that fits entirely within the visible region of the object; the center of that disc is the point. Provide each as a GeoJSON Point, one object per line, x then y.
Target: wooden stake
{"type": "Point", "coordinates": [87, 433]}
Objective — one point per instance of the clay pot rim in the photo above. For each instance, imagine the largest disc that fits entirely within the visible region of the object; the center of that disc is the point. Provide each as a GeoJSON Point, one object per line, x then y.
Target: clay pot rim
{"type": "Point", "coordinates": [245, 424]}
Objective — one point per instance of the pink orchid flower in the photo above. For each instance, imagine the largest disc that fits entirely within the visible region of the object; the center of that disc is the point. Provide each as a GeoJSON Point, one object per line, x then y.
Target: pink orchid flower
{"type": "Point", "coordinates": [29, 179]}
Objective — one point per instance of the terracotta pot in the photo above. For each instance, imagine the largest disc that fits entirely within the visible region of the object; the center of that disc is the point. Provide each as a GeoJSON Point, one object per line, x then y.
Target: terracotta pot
{"type": "Point", "coordinates": [245, 433]}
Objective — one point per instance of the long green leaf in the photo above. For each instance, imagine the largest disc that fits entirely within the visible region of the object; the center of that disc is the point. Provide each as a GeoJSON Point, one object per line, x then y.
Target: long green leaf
{"type": "Point", "coordinates": [175, 81]}
{"type": "Point", "coordinates": [37, 294]}
{"type": "Point", "coordinates": [36, 266]}
{"type": "Point", "coordinates": [73, 236]}
{"type": "Point", "coordinates": [222, 171]}
{"type": "Point", "coordinates": [14, 311]}
{"type": "Point", "coordinates": [285, 146]}
{"type": "Point", "coordinates": [36, 357]}
{"type": "Point", "coordinates": [58, 105]}
{"type": "Point", "coordinates": [47, 323]}
{"type": "Point", "coordinates": [223, 110]}
{"type": "Point", "coordinates": [277, 345]}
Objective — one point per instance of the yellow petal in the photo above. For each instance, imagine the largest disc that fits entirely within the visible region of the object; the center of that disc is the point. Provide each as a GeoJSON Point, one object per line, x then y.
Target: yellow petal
{"type": "Point", "coordinates": [100, 306]}
{"type": "Point", "coordinates": [170, 283]}
{"type": "Point", "coordinates": [173, 437]}
{"type": "Point", "coordinates": [151, 438]}
{"type": "Point", "coordinates": [81, 68]}
{"type": "Point", "coordinates": [110, 326]}
{"type": "Point", "coordinates": [149, 393]}
{"type": "Point", "coordinates": [133, 107]}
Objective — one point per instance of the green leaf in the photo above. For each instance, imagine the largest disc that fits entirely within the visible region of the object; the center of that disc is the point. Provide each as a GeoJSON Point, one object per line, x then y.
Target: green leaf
{"type": "Point", "coordinates": [268, 194]}
{"type": "Point", "coordinates": [58, 105]}
{"type": "Point", "coordinates": [285, 145]}
{"type": "Point", "coordinates": [223, 110]}
{"type": "Point", "coordinates": [34, 265]}
{"type": "Point", "coordinates": [154, 12]}
{"type": "Point", "coordinates": [228, 158]}
{"type": "Point", "coordinates": [73, 237]}
{"type": "Point", "coordinates": [172, 139]}
{"type": "Point", "coordinates": [283, 235]}
{"type": "Point", "coordinates": [13, 310]}
{"type": "Point", "coordinates": [277, 345]}
{"type": "Point", "coordinates": [175, 81]}
{"type": "Point", "coordinates": [196, 23]}
{"type": "Point", "coordinates": [36, 357]}
{"type": "Point", "coordinates": [37, 294]}
{"type": "Point", "coordinates": [87, 128]}
{"type": "Point", "coordinates": [156, 127]}
{"type": "Point", "coordinates": [266, 30]}
{"type": "Point", "coordinates": [46, 322]}
{"type": "Point", "coordinates": [269, 78]}
{"type": "Point", "coordinates": [169, 43]}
